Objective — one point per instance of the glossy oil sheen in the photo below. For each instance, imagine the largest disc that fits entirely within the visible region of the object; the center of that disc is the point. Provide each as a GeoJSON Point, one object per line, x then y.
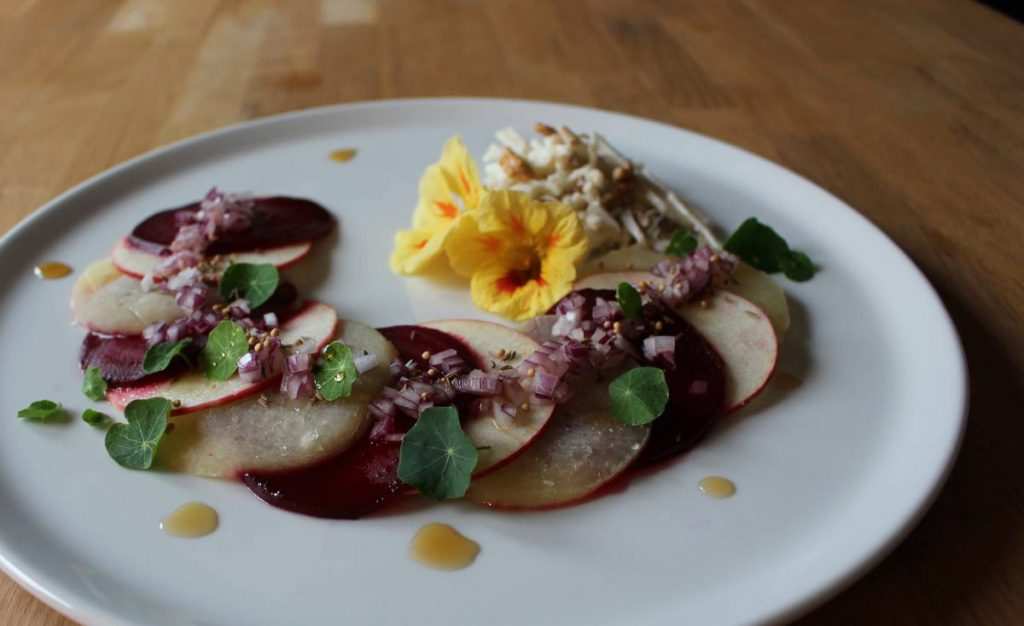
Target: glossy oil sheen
{"type": "Point", "coordinates": [717, 487]}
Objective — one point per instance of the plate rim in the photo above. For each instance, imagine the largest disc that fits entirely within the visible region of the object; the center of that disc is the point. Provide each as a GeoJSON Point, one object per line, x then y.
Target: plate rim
{"type": "Point", "coordinates": [40, 584]}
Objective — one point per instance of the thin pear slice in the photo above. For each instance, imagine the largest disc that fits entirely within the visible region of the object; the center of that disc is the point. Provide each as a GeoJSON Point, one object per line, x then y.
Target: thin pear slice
{"type": "Point", "coordinates": [583, 449]}
{"type": "Point", "coordinates": [106, 301]}
{"type": "Point", "coordinates": [270, 432]}
{"type": "Point", "coordinates": [315, 323]}
{"type": "Point", "coordinates": [738, 330]}
{"type": "Point", "coordinates": [137, 263]}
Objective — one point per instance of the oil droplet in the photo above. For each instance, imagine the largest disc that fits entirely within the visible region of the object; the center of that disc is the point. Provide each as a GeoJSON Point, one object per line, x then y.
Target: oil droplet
{"type": "Point", "coordinates": [717, 487]}
{"type": "Point", "coordinates": [191, 520]}
{"type": "Point", "coordinates": [344, 155]}
{"type": "Point", "coordinates": [442, 547]}
{"type": "Point", "coordinates": [52, 270]}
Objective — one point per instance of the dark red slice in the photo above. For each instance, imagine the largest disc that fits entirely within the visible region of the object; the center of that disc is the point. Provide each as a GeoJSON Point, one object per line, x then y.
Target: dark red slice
{"type": "Point", "coordinates": [119, 359]}
{"type": "Point", "coordinates": [277, 221]}
{"type": "Point", "coordinates": [696, 384]}
{"type": "Point", "coordinates": [364, 478]}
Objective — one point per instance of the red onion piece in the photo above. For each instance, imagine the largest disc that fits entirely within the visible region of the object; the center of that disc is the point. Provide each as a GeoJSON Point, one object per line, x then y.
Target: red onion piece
{"type": "Point", "coordinates": [660, 349]}
{"type": "Point", "coordinates": [365, 362]}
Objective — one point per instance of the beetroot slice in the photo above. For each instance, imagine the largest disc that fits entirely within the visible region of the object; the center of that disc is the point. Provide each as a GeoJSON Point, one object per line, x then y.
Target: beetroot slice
{"type": "Point", "coordinates": [277, 221]}
{"type": "Point", "coordinates": [119, 359]}
{"type": "Point", "coordinates": [696, 384]}
{"type": "Point", "coordinates": [364, 478]}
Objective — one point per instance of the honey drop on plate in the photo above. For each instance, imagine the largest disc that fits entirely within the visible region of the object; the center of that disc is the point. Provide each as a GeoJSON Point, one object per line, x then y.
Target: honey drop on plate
{"type": "Point", "coordinates": [440, 546]}
{"type": "Point", "coordinates": [717, 487]}
{"type": "Point", "coordinates": [191, 520]}
{"type": "Point", "coordinates": [52, 270]}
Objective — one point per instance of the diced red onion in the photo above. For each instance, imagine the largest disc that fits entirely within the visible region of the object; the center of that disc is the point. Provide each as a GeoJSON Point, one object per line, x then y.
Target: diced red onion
{"type": "Point", "coordinates": [478, 383]}
{"type": "Point", "coordinates": [298, 362]}
{"type": "Point", "coordinates": [270, 320]}
{"type": "Point", "coordinates": [297, 385]}
{"type": "Point", "coordinates": [698, 387]}
{"type": "Point", "coordinates": [249, 368]}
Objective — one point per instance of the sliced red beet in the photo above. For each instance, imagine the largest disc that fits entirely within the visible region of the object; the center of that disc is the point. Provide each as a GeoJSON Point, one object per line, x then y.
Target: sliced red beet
{"type": "Point", "coordinates": [696, 384]}
{"type": "Point", "coordinates": [119, 359]}
{"type": "Point", "coordinates": [277, 221]}
{"type": "Point", "coordinates": [364, 478]}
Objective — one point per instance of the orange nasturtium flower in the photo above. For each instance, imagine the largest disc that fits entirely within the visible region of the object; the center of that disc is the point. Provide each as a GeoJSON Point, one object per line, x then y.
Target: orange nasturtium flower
{"type": "Point", "coordinates": [520, 253]}
{"type": "Point", "coordinates": [448, 189]}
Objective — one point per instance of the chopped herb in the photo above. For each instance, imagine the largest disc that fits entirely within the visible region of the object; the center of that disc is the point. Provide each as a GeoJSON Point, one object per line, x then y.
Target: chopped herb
{"type": "Point", "coordinates": [158, 357]}
{"type": "Point", "coordinates": [683, 243]}
{"type": "Point", "coordinates": [254, 282]}
{"type": "Point", "coordinates": [629, 300]}
{"type": "Point", "coordinates": [95, 418]}
{"type": "Point", "coordinates": [42, 411]}
{"type": "Point", "coordinates": [133, 445]}
{"type": "Point", "coordinates": [436, 457]}
{"type": "Point", "coordinates": [762, 247]}
{"type": "Point", "coordinates": [335, 372]}
{"type": "Point", "coordinates": [93, 386]}
{"type": "Point", "coordinates": [639, 396]}
{"type": "Point", "coordinates": [226, 344]}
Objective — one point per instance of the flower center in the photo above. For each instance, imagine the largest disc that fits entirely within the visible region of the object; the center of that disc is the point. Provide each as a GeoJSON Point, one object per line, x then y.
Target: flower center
{"type": "Point", "coordinates": [529, 269]}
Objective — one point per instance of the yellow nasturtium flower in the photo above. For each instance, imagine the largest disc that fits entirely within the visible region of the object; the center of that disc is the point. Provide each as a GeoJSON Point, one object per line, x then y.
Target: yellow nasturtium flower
{"type": "Point", "coordinates": [520, 253]}
{"type": "Point", "coordinates": [448, 189]}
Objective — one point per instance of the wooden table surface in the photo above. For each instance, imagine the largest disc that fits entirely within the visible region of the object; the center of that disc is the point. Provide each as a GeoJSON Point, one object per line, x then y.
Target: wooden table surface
{"type": "Point", "coordinates": [912, 111]}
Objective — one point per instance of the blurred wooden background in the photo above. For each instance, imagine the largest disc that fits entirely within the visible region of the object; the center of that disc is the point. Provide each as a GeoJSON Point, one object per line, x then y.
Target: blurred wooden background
{"type": "Point", "coordinates": [911, 110]}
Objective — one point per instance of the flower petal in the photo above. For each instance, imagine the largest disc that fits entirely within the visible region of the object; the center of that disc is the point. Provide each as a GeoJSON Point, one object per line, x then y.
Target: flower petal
{"type": "Point", "coordinates": [469, 249]}
{"type": "Point", "coordinates": [460, 172]}
{"type": "Point", "coordinates": [415, 249]}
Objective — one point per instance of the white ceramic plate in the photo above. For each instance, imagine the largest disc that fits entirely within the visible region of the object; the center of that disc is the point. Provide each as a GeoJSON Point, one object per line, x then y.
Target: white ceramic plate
{"type": "Point", "coordinates": [830, 477]}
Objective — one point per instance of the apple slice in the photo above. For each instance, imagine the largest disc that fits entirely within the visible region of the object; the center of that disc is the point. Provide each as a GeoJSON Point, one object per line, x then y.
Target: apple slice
{"type": "Point", "coordinates": [271, 432]}
{"type": "Point", "coordinates": [498, 436]}
{"type": "Point", "coordinates": [136, 262]}
{"type": "Point", "coordinates": [106, 301]}
{"type": "Point", "coordinates": [738, 330]}
{"type": "Point", "coordinates": [315, 323]}
{"type": "Point", "coordinates": [582, 450]}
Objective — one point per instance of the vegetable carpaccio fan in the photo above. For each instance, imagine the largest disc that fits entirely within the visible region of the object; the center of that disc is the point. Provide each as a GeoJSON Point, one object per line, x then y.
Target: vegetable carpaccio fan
{"type": "Point", "coordinates": [630, 343]}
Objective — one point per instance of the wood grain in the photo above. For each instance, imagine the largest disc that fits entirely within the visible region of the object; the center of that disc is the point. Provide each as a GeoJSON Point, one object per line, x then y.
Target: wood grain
{"type": "Point", "coordinates": [911, 110]}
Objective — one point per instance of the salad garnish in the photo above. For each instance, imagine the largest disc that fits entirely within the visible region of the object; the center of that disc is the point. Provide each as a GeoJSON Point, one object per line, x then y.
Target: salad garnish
{"type": "Point", "coordinates": [93, 385]}
{"type": "Point", "coordinates": [42, 411]}
{"type": "Point", "coordinates": [226, 344]}
{"type": "Point", "coordinates": [683, 243]}
{"type": "Point", "coordinates": [253, 282]}
{"type": "Point", "coordinates": [436, 457]}
{"type": "Point", "coordinates": [95, 418]}
{"type": "Point", "coordinates": [133, 445]}
{"type": "Point", "coordinates": [639, 396]}
{"type": "Point", "coordinates": [629, 301]}
{"type": "Point", "coordinates": [335, 372]}
{"type": "Point", "coordinates": [159, 356]}
{"type": "Point", "coordinates": [765, 249]}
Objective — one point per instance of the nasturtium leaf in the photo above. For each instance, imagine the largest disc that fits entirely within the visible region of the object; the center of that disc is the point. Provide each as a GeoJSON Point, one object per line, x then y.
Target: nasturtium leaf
{"type": "Point", "coordinates": [798, 267]}
{"type": "Point", "coordinates": [95, 418]}
{"type": "Point", "coordinates": [639, 396]}
{"type": "Point", "coordinates": [436, 457]}
{"type": "Point", "coordinates": [765, 249]}
{"type": "Point", "coordinates": [225, 345]}
{"type": "Point", "coordinates": [629, 300]}
{"type": "Point", "coordinates": [335, 372]}
{"type": "Point", "coordinates": [133, 445]}
{"type": "Point", "coordinates": [158, 357]}
{"type": "Point", "coordinates": [93, 385]}
{"type": "Point", "coordinates": [42, 411]}
{"type": "Point", "coordinates": [255, 282]}
{"type": "Point", "coordinates": [683, 243]}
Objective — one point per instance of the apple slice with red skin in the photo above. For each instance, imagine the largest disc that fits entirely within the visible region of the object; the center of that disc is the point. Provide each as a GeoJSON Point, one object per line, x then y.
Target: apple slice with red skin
{"type": "Point", "coordinates": [315, 322]}
{"type": "Point", "coordinates": [582, 450]}
{"type": "Point", "coordinates": [498, 436]}
{"type": "Point", "coordinates": [137, 261]}
{"type": "Point", "coordinates": [106, 301]}
{"type": "Point", "coordinates": [364, 478]}
{"type": "Point", "coordinates": [271, 432]}
{"type": "Point", "coordinates": [738, 330]}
